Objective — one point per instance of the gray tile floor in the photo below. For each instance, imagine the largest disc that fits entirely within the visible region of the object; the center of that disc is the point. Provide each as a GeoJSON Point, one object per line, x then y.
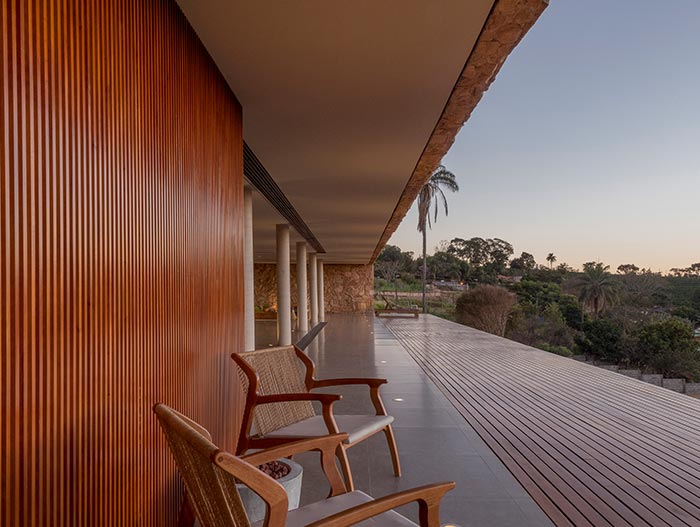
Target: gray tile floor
{"type": "Point", "coordinates": [435, 442]}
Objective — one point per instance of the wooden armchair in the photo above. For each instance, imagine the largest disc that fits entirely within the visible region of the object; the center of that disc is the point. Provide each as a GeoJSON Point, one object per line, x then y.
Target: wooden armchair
{"type": "Point", "coordinates": [210, 475]}
{"type": "Point", "coordinates": [278, 384]}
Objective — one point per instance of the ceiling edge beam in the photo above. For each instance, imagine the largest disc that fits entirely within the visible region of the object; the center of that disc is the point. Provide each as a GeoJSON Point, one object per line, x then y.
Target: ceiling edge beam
{"type": "Point", "coordinates": [506, 25]}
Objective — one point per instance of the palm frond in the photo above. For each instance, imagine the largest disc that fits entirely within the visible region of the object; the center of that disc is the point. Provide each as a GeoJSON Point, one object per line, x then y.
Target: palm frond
{"type": "Point", "coordinates": [432, 191]}
{"type": "Point", "coordinates": [444, 203]}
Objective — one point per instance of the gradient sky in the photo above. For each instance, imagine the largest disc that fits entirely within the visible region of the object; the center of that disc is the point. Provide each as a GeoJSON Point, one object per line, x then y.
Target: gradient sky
{"type": "Point", "coordinates": [588, 142]}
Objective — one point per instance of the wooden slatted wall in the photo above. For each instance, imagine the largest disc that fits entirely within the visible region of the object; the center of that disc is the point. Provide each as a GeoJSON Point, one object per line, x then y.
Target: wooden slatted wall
{"type": "Point", "coordinates": [121, 272]}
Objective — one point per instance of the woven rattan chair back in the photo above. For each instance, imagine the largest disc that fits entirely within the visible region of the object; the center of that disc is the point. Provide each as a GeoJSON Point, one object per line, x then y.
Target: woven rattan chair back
{"type": "Point", "coordinates": [212, 491]}
{"type": "Point", "coordinates": [279, 371]}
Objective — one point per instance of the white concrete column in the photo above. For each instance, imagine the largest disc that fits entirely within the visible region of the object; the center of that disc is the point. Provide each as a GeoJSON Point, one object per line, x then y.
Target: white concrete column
{"type": "Point", "coordinates": [302, 303]}
{"type": "Point", "coordinates": [248, 273]}
{"type": "Point", "coordinates": [321, 299]}
{"type": "Point", "coordinates": [284, 286]}
{"type": "Point", "coordinates": [313, 288]}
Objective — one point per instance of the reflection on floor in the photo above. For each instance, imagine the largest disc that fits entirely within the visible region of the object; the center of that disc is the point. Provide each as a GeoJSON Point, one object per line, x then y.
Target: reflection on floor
{"type": "Point", "coordinates": [266, 334]}
{"type": "Point", "coordinates": [435, 442]}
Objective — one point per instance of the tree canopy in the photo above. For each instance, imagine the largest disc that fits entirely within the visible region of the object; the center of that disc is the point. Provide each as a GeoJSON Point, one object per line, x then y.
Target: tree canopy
{"type": "Point", "coordinates": [596, 286]}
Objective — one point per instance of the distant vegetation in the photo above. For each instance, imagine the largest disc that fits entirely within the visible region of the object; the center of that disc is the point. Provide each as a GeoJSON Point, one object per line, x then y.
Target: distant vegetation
{"type": "Point", "coordinates": [633, 316]}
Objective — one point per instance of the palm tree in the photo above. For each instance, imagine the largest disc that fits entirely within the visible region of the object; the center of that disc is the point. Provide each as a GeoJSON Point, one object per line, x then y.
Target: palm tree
{"type": "Point", "coordinates": [551, 259]}
{"type": "Point", "coordinates": [432, 192]}
{"type": "Point", "coordinates": [597, 288]}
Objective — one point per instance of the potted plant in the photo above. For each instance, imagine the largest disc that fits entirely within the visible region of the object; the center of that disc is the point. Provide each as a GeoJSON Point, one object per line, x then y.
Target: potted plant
{"type": "Point", "coordinates": [287, 473]}
{"type": "Point", "coordinates": [265, 312]}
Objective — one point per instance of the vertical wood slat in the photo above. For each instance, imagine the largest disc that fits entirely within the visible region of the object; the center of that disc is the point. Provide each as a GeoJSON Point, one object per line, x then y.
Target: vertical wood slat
{"type": "Point", "coordinates": [121, 275]}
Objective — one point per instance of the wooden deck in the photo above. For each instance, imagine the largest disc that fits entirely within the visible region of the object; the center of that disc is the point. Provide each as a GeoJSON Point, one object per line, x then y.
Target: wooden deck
{"type": "Point", "coordinates": [592, 447]}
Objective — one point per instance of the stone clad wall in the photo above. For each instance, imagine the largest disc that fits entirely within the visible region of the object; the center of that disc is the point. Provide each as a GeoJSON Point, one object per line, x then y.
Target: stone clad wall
{"type": "Point", "coordinates": [266, 286]}
{"type": "Point", "coordinates": [347, 288]}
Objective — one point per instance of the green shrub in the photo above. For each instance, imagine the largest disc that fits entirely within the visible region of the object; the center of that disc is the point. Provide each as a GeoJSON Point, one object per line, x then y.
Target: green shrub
{"type": "Point", "coordinates": [533, 329]}
{"type": "Point", "coordinates": [486, 307]}
{"type": "Point", "coordinates": [557, 350]}
{"type": "Point", "coordinates": [572, 311]}
{"type": "Point", "coordinates": [603, 338]}
{"type": "Point", "coordinates": [668, 346]}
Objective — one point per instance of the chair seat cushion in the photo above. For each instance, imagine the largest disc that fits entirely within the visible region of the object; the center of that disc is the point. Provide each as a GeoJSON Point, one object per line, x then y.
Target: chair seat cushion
{"type": "Point", "coordinates": [322, 509]}
{"type": "Point", "coordinates": [356, 426]}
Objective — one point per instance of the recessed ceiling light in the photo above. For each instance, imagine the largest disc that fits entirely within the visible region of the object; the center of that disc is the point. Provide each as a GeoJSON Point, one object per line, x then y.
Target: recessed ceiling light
{"type": "Point", "coordinates": [383, 361]}
{"type": "Point", "coordinates": [398, 400]}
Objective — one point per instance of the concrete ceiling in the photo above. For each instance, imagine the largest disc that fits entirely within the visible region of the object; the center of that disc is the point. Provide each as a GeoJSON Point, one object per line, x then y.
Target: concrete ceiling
{"type": "Point", "coordinates": [339, 100]}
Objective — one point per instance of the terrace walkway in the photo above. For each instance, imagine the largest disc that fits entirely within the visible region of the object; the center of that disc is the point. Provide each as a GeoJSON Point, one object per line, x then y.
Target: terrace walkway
{"type": "Point", "coordinates": [592, 447]}
{"type": "Point", "coordinates": [435, 442]}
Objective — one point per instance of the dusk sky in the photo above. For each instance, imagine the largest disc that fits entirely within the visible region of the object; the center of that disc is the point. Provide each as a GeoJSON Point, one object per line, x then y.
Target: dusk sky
{"type": "Point", "coordinates": [588, 142]}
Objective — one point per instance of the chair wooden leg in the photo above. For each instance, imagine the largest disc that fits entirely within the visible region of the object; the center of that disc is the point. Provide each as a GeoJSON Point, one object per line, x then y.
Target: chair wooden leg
{"type": "Point", "coordinates": [342, 456]}
{"type": "Point", "coordinates": [391, 440]}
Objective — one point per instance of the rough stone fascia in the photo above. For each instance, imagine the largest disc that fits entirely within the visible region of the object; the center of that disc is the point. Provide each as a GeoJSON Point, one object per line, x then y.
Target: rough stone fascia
{"type": "Point", "coordinates": [505, 26]}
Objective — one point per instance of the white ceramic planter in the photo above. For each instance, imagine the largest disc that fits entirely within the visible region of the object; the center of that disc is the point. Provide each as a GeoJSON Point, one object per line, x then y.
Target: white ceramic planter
{"type": "Point", "coordinates": [255, 507]}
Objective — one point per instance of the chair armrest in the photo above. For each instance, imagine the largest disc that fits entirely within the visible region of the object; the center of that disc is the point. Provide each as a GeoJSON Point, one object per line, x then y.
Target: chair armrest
{"type": "Point", "coordinates": [269, 490]}
{"type": "Point", "coordinates": [329, 442]}
{"type": "Point", "coordinates": [374, 385]}
{"type": "Point", "coordinates": [428, 498]}
{"type": "Point", "coordinates": [321, 383]}
{"type": "Point", "coordinates": [326, 445]}
{"type": "Point", "coordinates": [326, 399]}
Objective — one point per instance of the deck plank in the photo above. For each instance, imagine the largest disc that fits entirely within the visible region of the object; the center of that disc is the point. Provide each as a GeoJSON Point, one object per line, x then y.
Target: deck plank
{"type": "Point", "coordinates": [592, 447]}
